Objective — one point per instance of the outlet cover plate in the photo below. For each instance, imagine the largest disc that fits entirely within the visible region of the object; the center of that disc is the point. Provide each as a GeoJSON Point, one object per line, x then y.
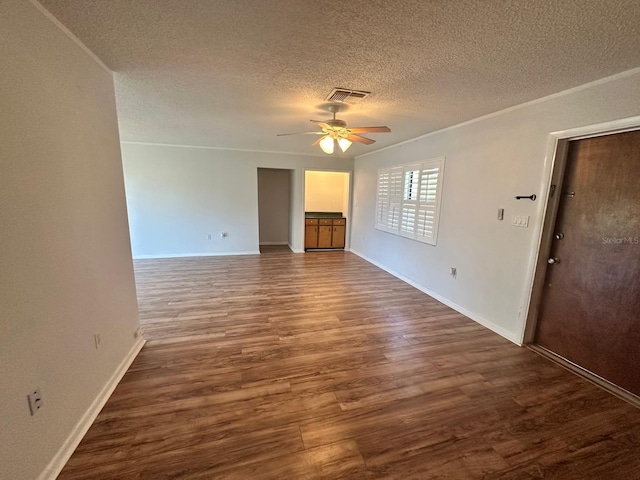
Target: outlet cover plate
{"type": "Point", "coordinates": [35, 401]}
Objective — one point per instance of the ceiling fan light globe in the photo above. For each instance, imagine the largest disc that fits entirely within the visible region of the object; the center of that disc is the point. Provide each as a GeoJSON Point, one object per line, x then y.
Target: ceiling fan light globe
{"type": "Point", "coordinates": [326, 144]}
{"type": "Point", "coordinates": [344, 144]}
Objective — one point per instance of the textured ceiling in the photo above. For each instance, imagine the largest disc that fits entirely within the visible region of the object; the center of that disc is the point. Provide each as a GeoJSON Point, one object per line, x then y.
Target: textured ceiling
{"type": "Point", "coordinates": [234, 73]}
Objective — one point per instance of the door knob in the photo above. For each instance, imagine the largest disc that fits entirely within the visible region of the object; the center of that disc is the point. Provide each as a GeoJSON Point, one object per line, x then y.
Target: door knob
{"type": "Point", "coordinates": [559, 236]}
{"type": "Point", "coordinates": [553, 261]}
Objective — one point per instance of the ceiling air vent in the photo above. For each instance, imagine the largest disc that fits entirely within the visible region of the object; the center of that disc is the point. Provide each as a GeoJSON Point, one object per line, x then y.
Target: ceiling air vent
{"type": "Point", "coordinates": [344, 94]}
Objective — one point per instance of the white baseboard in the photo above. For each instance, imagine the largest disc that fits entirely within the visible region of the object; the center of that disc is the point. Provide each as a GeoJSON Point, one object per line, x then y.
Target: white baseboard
{"type": "Point", "coordinates": [73, 440]}
{"type": "Point", "coordinates": [274, 243]}
{"type": "Point", "coordinates": [294, 250]}
{"type": "Point", "coordinates": [473, 316]}
{"type": "Point", "coordinates": [181, 255]}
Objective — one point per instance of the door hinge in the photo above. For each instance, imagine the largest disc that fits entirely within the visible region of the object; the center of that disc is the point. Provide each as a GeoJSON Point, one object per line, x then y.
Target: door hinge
{"type": "Point", "coordinates": [553, 191]}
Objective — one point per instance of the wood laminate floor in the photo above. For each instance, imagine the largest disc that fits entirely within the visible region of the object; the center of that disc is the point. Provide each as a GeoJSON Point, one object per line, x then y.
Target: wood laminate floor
{"type": "Point", "coordinates": [320, 365]}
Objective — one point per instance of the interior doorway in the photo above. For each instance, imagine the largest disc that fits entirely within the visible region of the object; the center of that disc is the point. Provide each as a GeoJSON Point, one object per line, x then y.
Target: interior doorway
{"type": "Point", "coordinates": [274, 208]}
{"type": "Point", "coordinates": [327, 200]}
{"type": "Point", "coordinates": [589, 292]}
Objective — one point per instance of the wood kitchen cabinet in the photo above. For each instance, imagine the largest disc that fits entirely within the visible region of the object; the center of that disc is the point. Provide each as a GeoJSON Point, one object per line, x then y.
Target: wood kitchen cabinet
{"type": "Point", "coordinates": [338, 234]}
{"type": "Point", "coordinates": [324, 233]}
{"type": "Point", "coordinates": [310, 233]}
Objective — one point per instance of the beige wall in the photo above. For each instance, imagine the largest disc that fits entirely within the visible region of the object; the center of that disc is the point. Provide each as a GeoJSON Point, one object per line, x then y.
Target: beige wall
{"type": "Point", "coordinates": [177, 195]}
{"type": "Point", "coordinates": [65, 258]}
{"type": "Point", "coordinates": [326, 191]}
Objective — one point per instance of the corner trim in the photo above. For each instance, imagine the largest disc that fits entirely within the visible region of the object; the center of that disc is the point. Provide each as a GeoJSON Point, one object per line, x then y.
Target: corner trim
{"type": "Point", "coordinates": [57, 463]}
{"type": "Point", "coordinates": [181, 255]}
{"type": "Point", "coordinates": [68, 33]}
{"type": "Point", "coordinates": [208, 147]}
{"type": "Point", "coordinates": [467, 313]}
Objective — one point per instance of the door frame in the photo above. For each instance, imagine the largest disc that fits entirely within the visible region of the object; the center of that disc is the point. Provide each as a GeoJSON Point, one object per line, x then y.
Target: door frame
{"type": "Point", "coordinates": [291, 173]}
{"type": "Point", "coordinates": [348, 214]}
{"type": "Point", "coordinates": [554, 168]}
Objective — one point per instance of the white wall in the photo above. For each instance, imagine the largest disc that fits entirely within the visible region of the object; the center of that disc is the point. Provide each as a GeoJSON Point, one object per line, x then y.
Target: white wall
{"type": "Point", "coordinates": [273, 205]}
{"type": "Point", "coordinates": [326, 191]}
{"type": "Point", "coordinates": [296, 210]}
{"type": "Point", "coordinates": [177, 195]}
{"type": "Point", "coordinates": [346, 197]}
{"type": "Point", "coordinates": [65, 259]}
{"type": "Point", "coordinates": [488, 163]}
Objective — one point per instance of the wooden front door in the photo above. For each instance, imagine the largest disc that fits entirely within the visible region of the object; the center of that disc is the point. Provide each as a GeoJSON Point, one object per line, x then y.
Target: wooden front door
{"type": "Point", "coordinates": [590, 308]}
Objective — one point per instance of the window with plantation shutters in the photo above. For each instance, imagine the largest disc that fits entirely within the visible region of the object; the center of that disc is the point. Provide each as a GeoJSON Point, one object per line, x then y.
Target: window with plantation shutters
{"type": "Point", "coordinates": [430, 185]}
{"type": "Point", "coordinates": [410, 189]}
{"type": "Point", "coordinates": [408, 200]}
{"type": "Point", "coordinates": [382, 200]}
{"type": "Point", "coordinates": [395, 198]}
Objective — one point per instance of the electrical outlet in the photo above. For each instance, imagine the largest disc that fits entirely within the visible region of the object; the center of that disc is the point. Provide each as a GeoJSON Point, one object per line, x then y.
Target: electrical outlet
{"type": "Point", "coordinates": [208, 236]}
{"type": "Point", "coordinates": [138, 333]}
{"type": "Point", "coordinates": [97, 340]}
{"type": "Point", "coordinates": [520, 221]}
{"type": "Point", "coordinates": [35, 401]}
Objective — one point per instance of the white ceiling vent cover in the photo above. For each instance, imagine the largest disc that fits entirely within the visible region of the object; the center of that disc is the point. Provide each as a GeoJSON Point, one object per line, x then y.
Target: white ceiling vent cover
{"type": "Point", "coordinates": [344, 94]}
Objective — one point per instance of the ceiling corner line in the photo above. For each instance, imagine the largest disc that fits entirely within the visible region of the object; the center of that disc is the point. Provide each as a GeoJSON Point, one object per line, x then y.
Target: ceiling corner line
{"type": "Point", "coordinates": [69, 34]}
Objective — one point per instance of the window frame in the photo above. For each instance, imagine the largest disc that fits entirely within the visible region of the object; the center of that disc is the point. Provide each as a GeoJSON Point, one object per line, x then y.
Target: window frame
{"type": "Point", "coordinates": [408, 205]}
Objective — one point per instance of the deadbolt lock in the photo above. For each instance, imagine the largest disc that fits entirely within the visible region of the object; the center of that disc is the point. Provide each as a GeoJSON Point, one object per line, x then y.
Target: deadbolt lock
{"type": "Point", "coordinates": [559, 236]}
{"type": "Point", "coordinates": [553, 261]}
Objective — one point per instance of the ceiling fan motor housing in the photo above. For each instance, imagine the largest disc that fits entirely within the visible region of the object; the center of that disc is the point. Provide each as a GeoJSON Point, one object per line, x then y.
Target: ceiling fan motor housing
{"type": "Point", "coordinates": [336, 123]}
{"type": "Point", "coordinates": [338, 129]}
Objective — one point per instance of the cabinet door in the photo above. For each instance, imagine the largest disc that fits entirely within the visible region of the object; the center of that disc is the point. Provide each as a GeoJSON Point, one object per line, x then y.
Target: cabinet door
{"type": "Point", "coordinates": [310, 236]}
{"type": "Point", "coordinates": [338, 236]}
{"type": "Point", "coordinates": [324, 236]}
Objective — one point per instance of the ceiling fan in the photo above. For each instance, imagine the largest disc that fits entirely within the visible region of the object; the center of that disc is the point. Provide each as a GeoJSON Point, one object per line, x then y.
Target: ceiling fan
{"type": "Point", "coordinates": [336, 131]}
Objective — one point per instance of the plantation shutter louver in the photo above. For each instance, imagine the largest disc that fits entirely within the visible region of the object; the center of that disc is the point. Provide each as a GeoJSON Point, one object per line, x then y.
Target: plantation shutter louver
{"type": "Point", "coordinates": [395, 199]}
{"type": "Point", "coordinates": [410, 200]}
{"type": "Point", "coordinates": [426, 228]}
{"type": "Point", "coordinates": [382, 201]}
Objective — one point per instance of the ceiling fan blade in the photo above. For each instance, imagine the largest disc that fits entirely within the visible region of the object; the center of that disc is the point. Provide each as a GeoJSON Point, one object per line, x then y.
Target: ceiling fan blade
{"type": "Point", "coordinates": [370, 129]}
{"type": "Point", "coordinates": [360, 139]}
{"type": "Point", "coordinates": [321, 123]}
{"type": "Point", "coordinates": [300, 133]}
{"type": "Point", "coordinates": [317, 142]}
